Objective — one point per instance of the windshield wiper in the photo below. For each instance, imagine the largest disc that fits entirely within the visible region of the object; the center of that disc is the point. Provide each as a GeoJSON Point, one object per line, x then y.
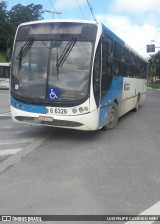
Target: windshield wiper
{"type": "Point", "coordinates": [66, 52]}
{"type": "Point", "coordinates": [24, 49]}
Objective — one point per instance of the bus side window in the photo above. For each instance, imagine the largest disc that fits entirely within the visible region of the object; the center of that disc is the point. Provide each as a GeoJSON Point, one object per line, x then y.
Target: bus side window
{"type": "Point", "coordinates": [116, 68]}
{"type": "Point", "coordinates": [106, 67]}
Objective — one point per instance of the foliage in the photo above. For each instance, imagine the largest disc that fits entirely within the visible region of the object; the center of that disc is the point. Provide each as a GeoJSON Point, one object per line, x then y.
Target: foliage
{"type": "Point", "coordinates": [20, 14]}
{"type": "Point", "coordinates": [3, 25]}
{"type": "Point", "coordinates": [154, 85]}
{"type": "Point", "coordinates": [154, 65]}
{"type": "Point", "coordinates": [2, 56]}
{"type": "Point", "coordinates": [9, 20]}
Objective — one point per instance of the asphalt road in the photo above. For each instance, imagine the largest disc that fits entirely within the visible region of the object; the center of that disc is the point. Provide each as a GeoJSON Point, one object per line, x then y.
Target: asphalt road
{"type": "Point", "coordinates": [60, 171]}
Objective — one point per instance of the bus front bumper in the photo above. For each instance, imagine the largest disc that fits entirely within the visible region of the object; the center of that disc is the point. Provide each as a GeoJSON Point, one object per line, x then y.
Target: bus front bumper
{"type": "Point", "coordinates": [88, 121]}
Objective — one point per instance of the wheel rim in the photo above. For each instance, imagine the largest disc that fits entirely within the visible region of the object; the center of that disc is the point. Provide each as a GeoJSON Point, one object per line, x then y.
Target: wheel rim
{"type": "Point", "coordinates": [112, 119]}
{"type": "Point", "coordinates": [112, 116]}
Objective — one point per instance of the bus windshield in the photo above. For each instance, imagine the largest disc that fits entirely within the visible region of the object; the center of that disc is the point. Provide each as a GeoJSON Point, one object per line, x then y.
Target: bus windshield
{"type": "Point", "coordinates": [47, 65]}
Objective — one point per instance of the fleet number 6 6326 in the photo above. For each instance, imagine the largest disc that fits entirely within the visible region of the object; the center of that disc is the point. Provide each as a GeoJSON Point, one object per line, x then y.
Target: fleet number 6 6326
{"type": "Point", "coordinates": [57, 111]}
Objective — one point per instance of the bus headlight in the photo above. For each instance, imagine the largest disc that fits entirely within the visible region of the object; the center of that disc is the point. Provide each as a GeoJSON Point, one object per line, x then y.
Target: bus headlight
{"type": "Point", "coordinates": [74, 110]}
{"type": "Point", "coordinates": [81, 110]}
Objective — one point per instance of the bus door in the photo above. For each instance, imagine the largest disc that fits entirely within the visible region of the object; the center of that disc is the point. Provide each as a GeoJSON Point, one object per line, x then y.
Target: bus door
{"type": "Point", "coordinates": [106, 82]}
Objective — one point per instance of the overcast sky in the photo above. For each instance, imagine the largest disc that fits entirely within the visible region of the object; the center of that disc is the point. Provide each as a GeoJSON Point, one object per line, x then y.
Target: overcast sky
{"type": "Point", "coordinates": [137, 22]}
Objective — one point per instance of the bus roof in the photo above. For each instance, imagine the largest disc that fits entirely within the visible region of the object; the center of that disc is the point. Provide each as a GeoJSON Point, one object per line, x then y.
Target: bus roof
{"type": "Point", "coordinates": [59, 20]}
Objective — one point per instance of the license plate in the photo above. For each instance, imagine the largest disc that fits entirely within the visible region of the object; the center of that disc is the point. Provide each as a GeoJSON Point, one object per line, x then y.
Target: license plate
{"type": "Point", "coordinates": [45, 118]}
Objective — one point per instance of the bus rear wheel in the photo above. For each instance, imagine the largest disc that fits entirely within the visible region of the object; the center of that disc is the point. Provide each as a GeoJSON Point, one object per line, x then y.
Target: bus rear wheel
{"type": "Point", "coordinates": [113, 118]}
{"type": "Point", "coordinates": [137, 104]}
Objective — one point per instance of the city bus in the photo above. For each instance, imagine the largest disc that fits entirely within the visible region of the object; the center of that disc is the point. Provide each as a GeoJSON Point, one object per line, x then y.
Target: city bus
{"type": "Point", "coordinates": [74, 74]}
{"type": "Point", "coordinates": [4, 75]}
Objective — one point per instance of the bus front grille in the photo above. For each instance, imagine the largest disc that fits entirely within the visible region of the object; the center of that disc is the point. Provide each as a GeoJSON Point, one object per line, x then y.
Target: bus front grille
{"type": "Point", "coordinates": [61, 123]}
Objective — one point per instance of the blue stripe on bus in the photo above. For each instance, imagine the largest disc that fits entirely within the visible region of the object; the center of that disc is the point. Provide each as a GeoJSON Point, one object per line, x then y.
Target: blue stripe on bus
{"type": "Point", "coordinates": [27, 107]}
{"type": "Point", "coordinates": [111, 34]}
{"type": "Point", "coordinates": [111, 95]}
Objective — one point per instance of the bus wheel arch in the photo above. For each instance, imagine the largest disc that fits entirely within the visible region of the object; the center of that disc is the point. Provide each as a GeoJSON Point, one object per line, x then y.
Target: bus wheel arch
{"type": "Point", "coordinates": [114, 115]}
{"type": "Point", "coordinates": [115, 101]}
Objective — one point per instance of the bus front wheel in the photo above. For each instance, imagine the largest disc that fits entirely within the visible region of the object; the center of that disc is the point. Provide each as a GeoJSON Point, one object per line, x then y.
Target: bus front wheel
{"type": "Point", "coordinates": [113, 118]}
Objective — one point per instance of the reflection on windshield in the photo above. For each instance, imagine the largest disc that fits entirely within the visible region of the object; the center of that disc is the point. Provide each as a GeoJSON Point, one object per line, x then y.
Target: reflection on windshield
{"type": "Point", "coordinates": [73, 77]}
{"type": "Point", "coordinates": [24, 49]}
{"type": "Point", "coordinates": [38, 71]}
{"type": "Point", "coordinates": [65, 53]}
{"type": "Point", "coordinates": [30, 79]}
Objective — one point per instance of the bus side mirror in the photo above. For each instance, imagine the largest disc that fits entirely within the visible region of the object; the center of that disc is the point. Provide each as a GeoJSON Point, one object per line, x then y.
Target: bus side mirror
{"type": "Point", "coordinates": [110, 58]}
{"type": "Point", "coordinates": [9, 48]}
{"type": "Point", "coordinates": [15, 82]}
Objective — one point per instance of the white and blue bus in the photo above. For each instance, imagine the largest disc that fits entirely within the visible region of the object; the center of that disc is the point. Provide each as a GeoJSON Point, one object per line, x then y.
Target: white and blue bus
{"type": "Point", "coordinates": [74, 74]}
{"type": "Point", "coordinates": [4, 75]}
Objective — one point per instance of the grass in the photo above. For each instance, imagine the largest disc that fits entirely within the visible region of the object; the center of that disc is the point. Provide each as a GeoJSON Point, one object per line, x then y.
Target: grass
{"type": "Point", "coordinates": [154, 85]}
{"type": "Point", "coordinates": [2, 56]}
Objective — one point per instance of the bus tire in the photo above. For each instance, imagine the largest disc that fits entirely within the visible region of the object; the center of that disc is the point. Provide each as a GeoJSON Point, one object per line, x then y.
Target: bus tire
{"type": "Point", "coordinates": [137, 104]}
{"type": "Point", "coordinates": [114, 115]}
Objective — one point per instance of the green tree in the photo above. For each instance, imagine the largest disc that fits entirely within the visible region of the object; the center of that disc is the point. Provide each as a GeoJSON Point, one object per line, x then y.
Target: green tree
{"type": "Point", "coordinates": [9, 21]}
{"type": "Point", "coordinates": [20, 14]}
{"type": "Point", "coordinates": [3, 25]}
{"type": "Point", "coordinates": [154, 65]}
{"type": "Point", "coordinates": [3, 11]}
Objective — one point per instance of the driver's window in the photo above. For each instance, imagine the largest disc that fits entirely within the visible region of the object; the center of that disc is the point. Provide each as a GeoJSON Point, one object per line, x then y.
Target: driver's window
{"type": "Point", "coordinates": [106, 67]}
{"type": "Point", "coordinates": [97, 70]}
